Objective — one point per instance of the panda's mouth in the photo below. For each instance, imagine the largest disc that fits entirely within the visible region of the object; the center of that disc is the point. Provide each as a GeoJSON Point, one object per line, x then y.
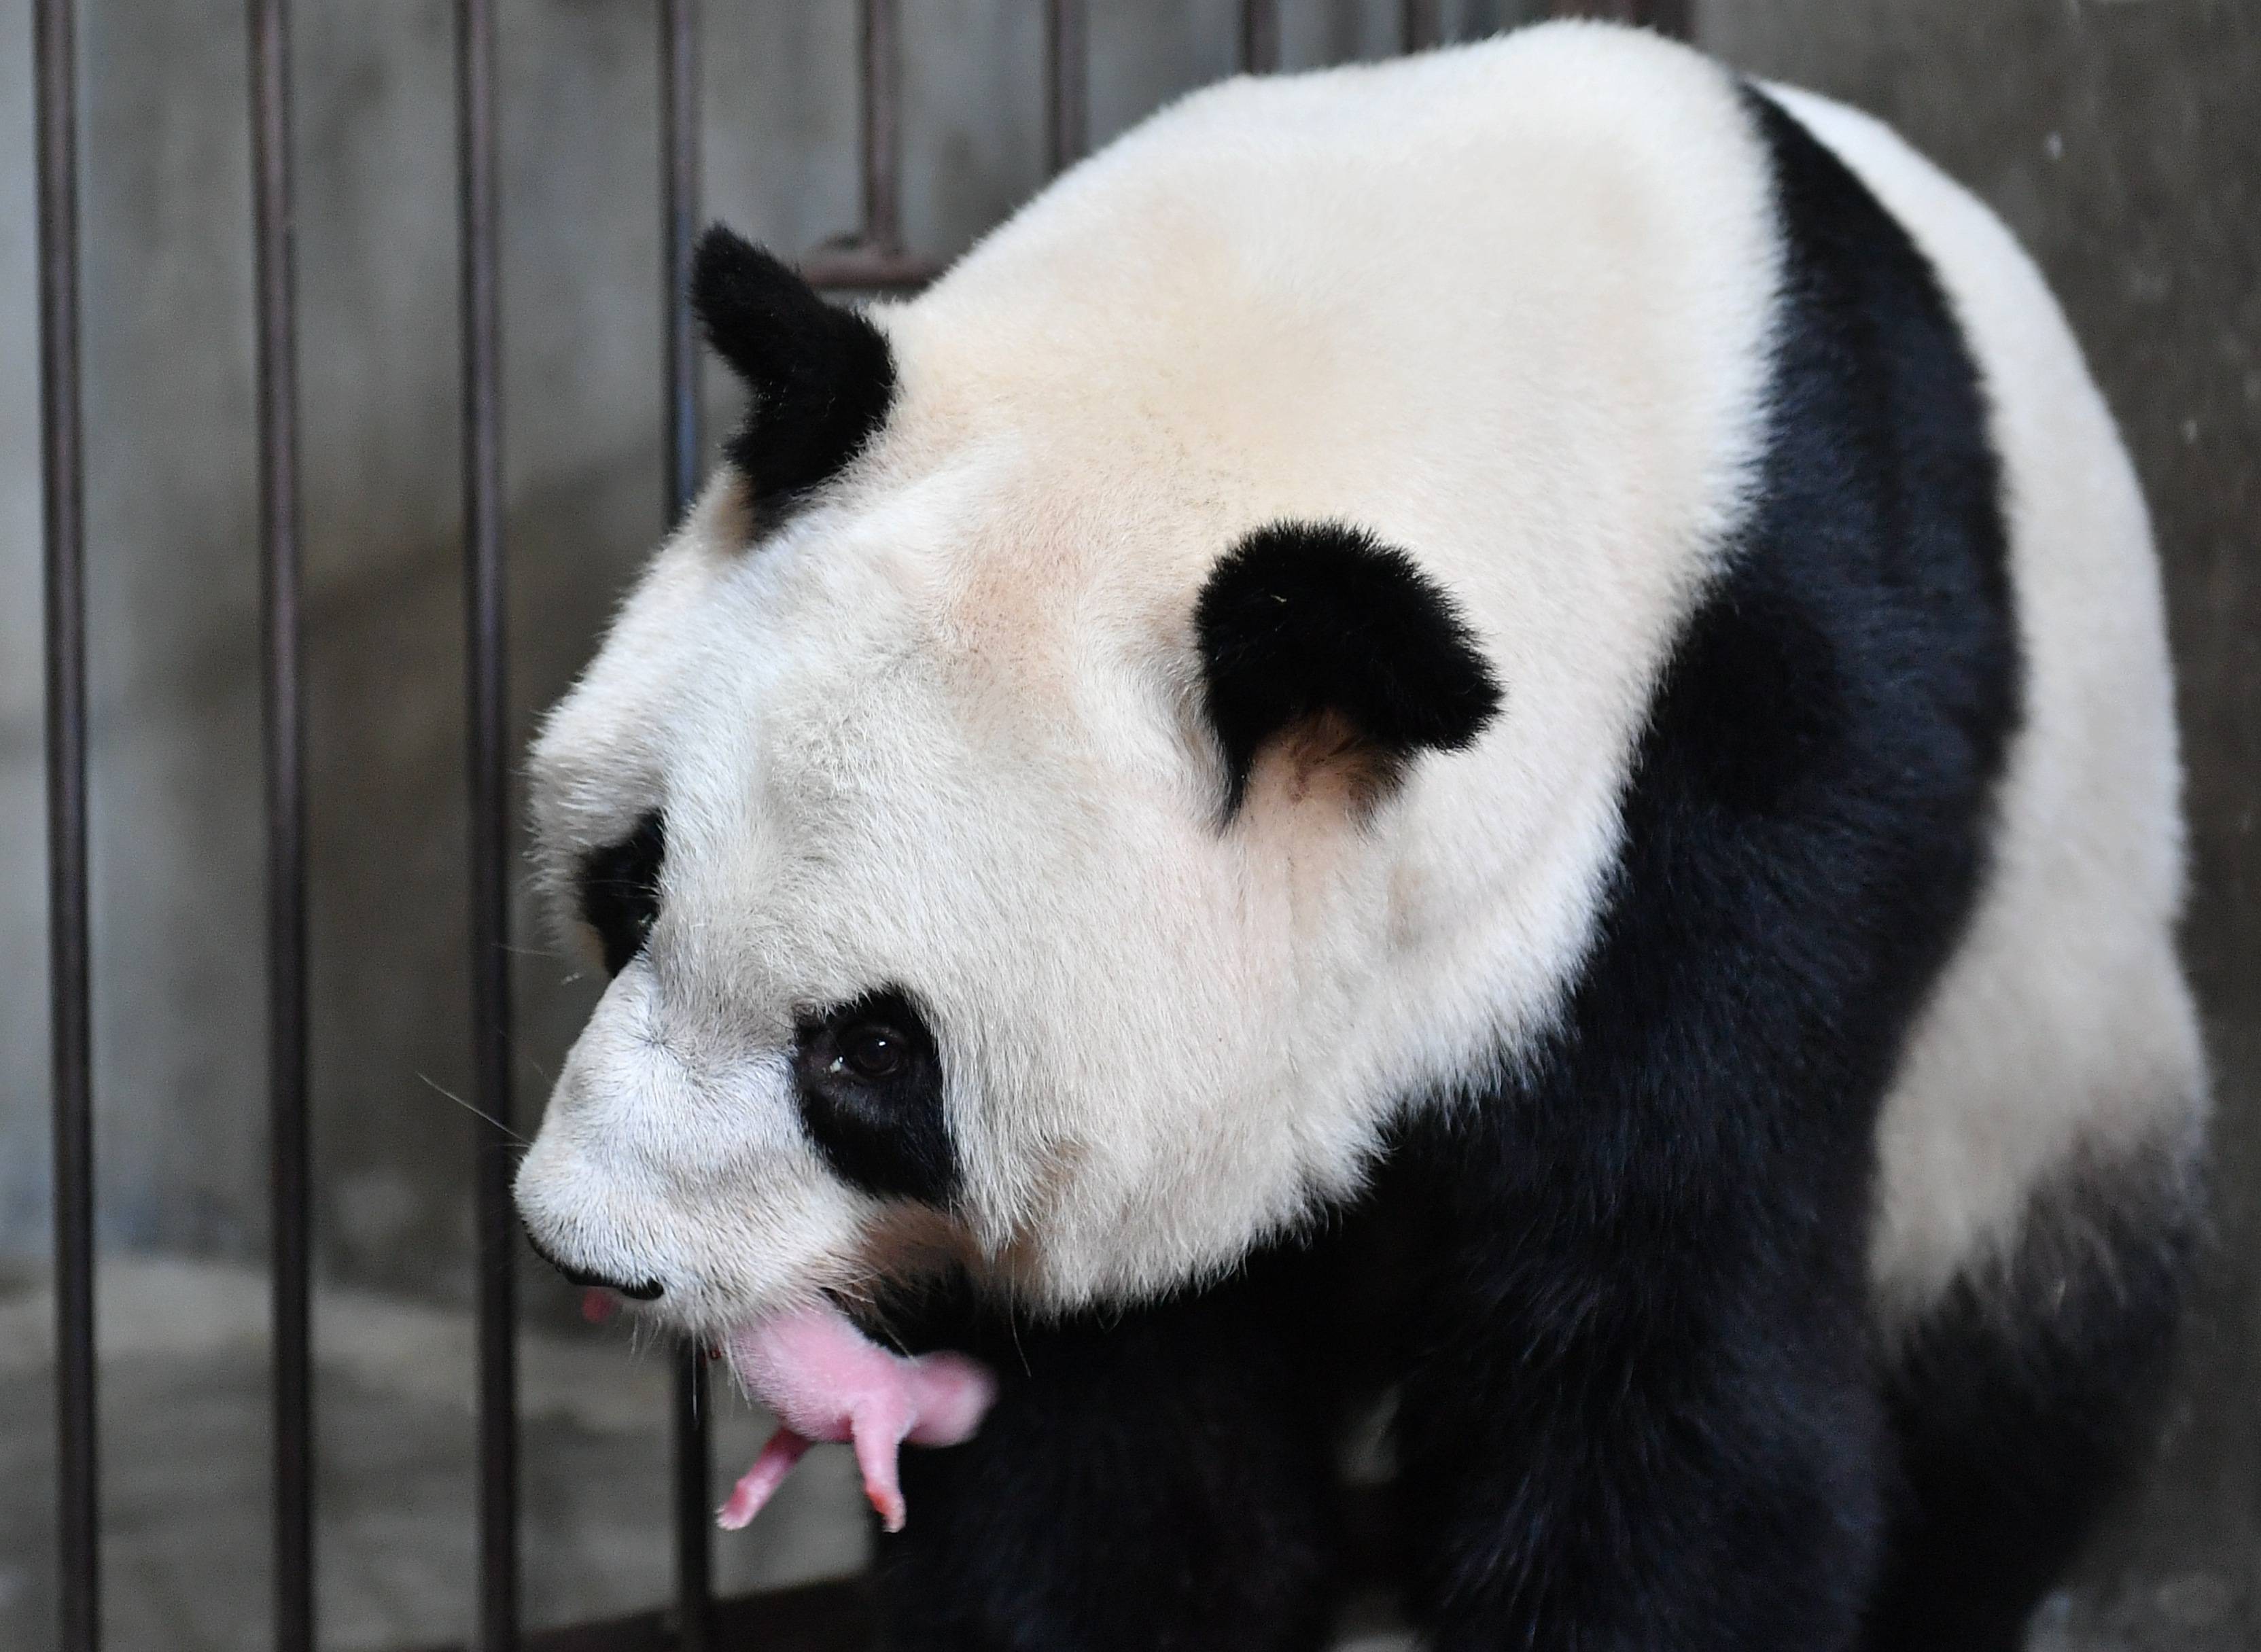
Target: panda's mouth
{"type": "Point", "coordinates": [828, 1382]}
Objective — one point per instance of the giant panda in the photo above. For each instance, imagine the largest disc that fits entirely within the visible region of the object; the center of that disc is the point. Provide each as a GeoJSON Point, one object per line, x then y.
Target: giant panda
{"type": "Point", "coordinates": [1487, 736]}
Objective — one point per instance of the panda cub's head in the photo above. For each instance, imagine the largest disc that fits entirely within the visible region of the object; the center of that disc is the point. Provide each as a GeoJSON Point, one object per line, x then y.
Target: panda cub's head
{"type": "Point", "coordinates": [987, 807]}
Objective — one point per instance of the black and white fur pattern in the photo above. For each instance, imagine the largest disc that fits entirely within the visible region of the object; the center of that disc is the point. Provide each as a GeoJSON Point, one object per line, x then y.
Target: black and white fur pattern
{"type": "Point", "coordinates": [1501, 726]}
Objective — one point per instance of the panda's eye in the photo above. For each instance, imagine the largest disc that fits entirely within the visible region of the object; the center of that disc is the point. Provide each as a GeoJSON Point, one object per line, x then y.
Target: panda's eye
{"type": "Point", "coordinates": [620, 891]}
{"type": "Point", "coordinates": [869, 1079]}
{"type": "Point", "coordinates": [878, 1044]}
{"type": "Point", "coordinates": [873, 1050]}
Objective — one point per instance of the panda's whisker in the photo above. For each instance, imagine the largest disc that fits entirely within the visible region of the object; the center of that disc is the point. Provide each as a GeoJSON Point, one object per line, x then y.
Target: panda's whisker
{"type": "Point", "coordinates": [1013, 1325]}
{"type": "Point", "coordinates": [425, 1079]}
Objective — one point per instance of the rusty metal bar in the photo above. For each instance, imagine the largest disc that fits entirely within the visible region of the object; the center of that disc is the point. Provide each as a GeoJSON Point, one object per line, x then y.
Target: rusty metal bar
{"type": "Point", "coordinates": [290, 1168]}
{"type": "Point", "coordinates": [882, 106]}
{"type": "Point", "coordinates": [690, 1465]}
{"type": "Point", "coordinates": [826, 1617]}
{"type": "Point", "coordinates": [488, 751]}
{"type": "Point", "coordinates": [859, 268]}
{"type": "Point", "coordinates": [839, 1615]}
{"type": "Point", "coordinates": [1675, 18]}
{"type": "Point", "coordinates": [62, 470]}
{"type": "Point", "coordinates": [1259, 36]}
{"type": "Point", "coordinates": [1421, 23]}
{"type": "Point", "coordinates": [1067, 82]}
{"type": "Point", "coordinates": [871, 257]}
{"type": "Point", "coordinates": [678, 121]}
{"type": "Point", "coordinates": [693, 1501]}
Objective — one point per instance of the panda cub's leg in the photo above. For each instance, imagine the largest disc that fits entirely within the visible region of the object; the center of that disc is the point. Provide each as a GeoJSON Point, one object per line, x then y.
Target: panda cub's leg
{"type": "Point", "coordinates": [2020, 1402]}
{"type": "Point", "coordinates": [1159, 1476]}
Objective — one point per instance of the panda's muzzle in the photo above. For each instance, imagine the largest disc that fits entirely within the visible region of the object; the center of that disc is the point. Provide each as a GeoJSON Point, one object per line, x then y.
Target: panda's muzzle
{"type": "Point", "coordinates": [646, 1291]}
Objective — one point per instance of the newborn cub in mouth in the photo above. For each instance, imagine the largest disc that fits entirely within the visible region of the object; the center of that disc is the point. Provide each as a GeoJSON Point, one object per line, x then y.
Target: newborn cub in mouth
{"type": "Point", "coordinates": [828, 1382]}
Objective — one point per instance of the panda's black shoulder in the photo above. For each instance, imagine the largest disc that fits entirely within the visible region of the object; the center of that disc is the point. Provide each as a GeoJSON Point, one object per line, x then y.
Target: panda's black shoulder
{"type": "Point", "coordinates": [1665, 1201]}
{"type": "Point", "coordinates": [1805, 822]}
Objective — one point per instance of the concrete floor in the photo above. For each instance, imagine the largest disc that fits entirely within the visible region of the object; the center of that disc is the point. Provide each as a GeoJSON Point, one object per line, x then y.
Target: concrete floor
{"type": "Point", "coordinates": [186, 1509]}
{"type": "Point", "coordinates": [185, 1482]}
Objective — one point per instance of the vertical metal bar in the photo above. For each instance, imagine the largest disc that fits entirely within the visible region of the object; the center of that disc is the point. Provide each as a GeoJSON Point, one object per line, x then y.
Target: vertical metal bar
{"type": "Point", "coordinates": [679, 107]}
{"type": "Point", "coordinates": [883, 218]}
{"type": "Point", "coordinates": [489, 813]}
{"type": "Point", "coordinates": [1421, 23]}
{"type": "Point", "coordinates": [1259, 36]}
{"type": "Point", "coordinates": [1067, 82]}
{"type": "Point", "coordinates": [78, 1531]}
{"type": "Point", "coordinates": [692, 1495]}
{"type": "Point", "coordinates": [289, 1169]}
{"type": "Point", "coordinates": [1675, 18]}
{"type": "Point", "coordinates": [693, 1505]}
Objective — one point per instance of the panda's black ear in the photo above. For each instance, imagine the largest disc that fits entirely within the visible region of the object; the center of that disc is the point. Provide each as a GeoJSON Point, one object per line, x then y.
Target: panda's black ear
{"type": "Point", "coordinates": [819, 379]}
{"type": "Point", "coordinates": [1317, 638]}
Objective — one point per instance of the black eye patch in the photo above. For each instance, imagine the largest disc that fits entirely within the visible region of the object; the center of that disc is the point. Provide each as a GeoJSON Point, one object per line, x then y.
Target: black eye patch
{"type": "Point", "coordinates": [620, 890]}
{"type": "Point", "coordinates": [869, 1079]}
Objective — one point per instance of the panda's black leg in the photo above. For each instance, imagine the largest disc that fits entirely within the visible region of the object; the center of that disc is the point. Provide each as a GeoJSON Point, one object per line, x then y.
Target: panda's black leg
{"type": "Point", "coordinates": [1159, 1477]}
{"type": "Point", "coordinates": [1633, 1441]}
{"type": "Point", "coordinates": [2021, 1403]}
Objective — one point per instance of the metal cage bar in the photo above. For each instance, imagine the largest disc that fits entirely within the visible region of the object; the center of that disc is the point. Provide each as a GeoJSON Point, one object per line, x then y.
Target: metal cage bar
{"type": "Point", "coordinates": [882, 112]}
{"type": "Point", "coordinates": [678, 182]}
{"type": "Point", "coordinates": [872, 258]}
{"type": "Point", "coordinates": [283, 732]}
{"type": "Point", "coordinates": [1675, 18]}
{"type": "Point", "coordinates": [690, 1465]}
{"type": "Point", "coordinates": [486, 706]}
{"type": "Point", "coordinates": [1259, 36]}
{"type": "Point", "coordinates": [1067, 82]}
{"type": "Point", "coordinates": [1420, 24]}
{"type": "Point", "coordinates": [62, 470]}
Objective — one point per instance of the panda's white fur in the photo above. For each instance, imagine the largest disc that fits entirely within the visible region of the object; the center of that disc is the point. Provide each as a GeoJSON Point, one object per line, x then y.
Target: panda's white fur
{"type": "Point", "coordinates": [1510, 307]}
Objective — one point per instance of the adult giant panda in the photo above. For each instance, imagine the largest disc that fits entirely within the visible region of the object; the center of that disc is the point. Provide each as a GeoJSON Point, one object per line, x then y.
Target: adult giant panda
{"type": "Point", "coordinates": [1492, 731]}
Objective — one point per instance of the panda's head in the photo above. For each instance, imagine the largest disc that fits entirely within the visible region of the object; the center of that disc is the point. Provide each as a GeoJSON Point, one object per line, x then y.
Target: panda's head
{"type": "Point", "coordinates": [988, 806]}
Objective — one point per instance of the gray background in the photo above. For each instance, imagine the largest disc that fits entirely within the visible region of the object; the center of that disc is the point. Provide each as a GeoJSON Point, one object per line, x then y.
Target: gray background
{"type": "Point", "coordinates": [2121, 139]}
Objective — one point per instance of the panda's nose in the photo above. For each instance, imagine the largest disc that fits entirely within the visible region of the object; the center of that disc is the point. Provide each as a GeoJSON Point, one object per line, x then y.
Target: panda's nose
{"type": "Point", "coordinates": [644, 1291]}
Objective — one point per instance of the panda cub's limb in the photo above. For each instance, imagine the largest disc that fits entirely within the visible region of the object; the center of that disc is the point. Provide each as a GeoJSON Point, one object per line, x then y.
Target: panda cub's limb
{"type": "Point", "coordinates": [1491, 734]}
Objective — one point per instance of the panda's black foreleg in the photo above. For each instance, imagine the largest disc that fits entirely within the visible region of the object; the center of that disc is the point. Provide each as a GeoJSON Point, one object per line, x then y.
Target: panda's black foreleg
{"type": "Point", "coordinates": [2022, 1402]}
{"type": "Point", "coordinates": [1631, 1427]}
{"type": "Point", "coordinates": [1159, 1477]}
